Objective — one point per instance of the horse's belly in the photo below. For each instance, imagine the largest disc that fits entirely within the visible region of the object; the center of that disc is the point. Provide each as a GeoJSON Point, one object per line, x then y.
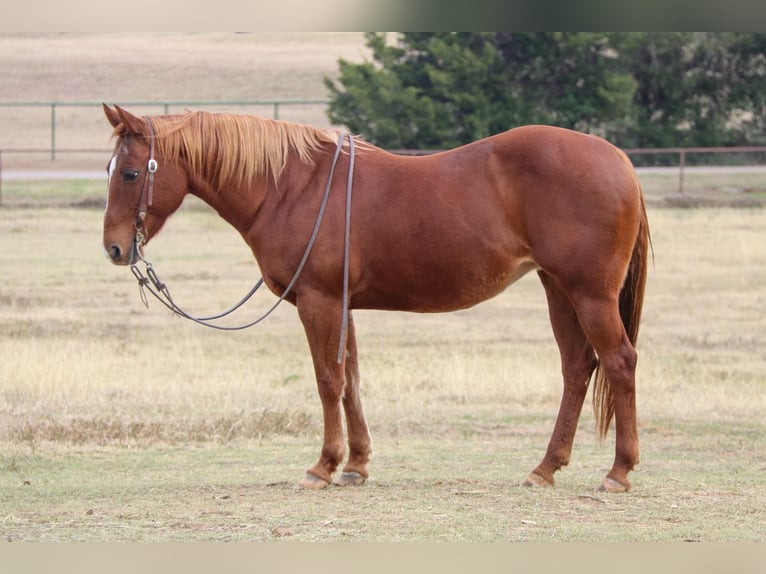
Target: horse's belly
{"type": "Point", "coordinates": [483, 287]}
{"type": "Point", "coordinates": [435, 288]}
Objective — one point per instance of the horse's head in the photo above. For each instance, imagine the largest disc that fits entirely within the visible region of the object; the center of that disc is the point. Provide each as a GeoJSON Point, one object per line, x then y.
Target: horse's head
{"type": "Point", "coordinates": [143, 191]}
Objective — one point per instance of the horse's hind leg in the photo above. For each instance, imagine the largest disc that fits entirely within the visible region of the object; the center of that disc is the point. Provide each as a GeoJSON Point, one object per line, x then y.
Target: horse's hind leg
{"type": "Point", "coordinates": [359, 441]}
{"type": "Point", "coordinates": [601, 322]}
{"type": "Point", "coordinates": [577, 364]}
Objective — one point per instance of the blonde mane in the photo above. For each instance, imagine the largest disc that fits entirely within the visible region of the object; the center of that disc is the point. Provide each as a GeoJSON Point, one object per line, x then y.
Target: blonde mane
{"type": "Point", "coordinates": [228, 149]}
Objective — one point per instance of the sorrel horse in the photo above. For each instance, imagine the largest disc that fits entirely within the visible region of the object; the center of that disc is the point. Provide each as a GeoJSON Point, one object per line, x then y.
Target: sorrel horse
{"type": "Point", "coordinates": [423, 234]}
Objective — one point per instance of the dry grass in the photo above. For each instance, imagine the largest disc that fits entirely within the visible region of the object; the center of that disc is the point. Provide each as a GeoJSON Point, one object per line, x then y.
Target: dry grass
{"type": "Point", "coordinates": [705, 326]}
{"type": "Point", "coordinates": [706, 187]}
{"type": "Point", "coordinates": [177, 66]}
{"type": "Point", "coordinates": [195, 426]}
{"type": "Point", "coordinates": [81, 351]}
{"type": "Point", "coordinates": [81, 348]}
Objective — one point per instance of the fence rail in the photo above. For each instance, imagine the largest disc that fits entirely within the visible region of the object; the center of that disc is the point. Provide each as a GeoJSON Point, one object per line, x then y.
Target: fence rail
{"type": "Point", "coordinates": [680, 152]}
{"type": "Point", "coordinates": [678, 155]}
{"type": "Point", "coordinates": [275, 104]}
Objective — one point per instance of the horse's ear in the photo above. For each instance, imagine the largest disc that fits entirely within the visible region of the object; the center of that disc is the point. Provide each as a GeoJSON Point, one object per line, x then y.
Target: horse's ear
{"type": "Point", "coordinates": [111, 115]}
{"type": "Point", "coordinates": [132, 124]}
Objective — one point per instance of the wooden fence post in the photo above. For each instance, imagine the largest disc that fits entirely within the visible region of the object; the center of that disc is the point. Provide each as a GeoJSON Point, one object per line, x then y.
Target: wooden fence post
{"type": "Point", "coordinates": [681, 163]}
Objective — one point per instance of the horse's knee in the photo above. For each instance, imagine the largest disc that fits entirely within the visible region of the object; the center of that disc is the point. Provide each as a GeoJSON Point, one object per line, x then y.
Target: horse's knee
{"type": "Point", "coordinates": [620, 367]}
{"type": "Point", "coordinates": [330, 389]}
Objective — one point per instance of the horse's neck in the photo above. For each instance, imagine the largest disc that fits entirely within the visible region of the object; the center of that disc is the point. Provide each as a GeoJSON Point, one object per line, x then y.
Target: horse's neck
{"type": "Point", "coordinates": [240, 204]}
{"type": "Point", "coordinates": [236, 205]}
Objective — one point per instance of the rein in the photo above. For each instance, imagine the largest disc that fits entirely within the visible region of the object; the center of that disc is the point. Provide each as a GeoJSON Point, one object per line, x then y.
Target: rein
{"type": "Point", "coordinates": [151, 282]}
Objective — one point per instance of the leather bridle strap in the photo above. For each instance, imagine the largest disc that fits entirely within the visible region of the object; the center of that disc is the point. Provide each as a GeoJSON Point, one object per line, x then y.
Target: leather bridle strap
{"type": "Point", "coordinates": [147, 191]}
{"type": "Point", "coordinates": [152, 283]}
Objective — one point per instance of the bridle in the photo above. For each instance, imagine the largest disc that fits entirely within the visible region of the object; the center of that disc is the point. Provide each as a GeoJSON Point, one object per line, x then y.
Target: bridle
{"type": "Point", "coordinates": [159, 290]}
{"type": "Point", "coordinates": [147, 193]}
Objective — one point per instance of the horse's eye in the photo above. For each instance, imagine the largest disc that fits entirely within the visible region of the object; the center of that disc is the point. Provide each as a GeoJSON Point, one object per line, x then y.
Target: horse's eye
{"type": "Point", "coordinates": [130, 174]}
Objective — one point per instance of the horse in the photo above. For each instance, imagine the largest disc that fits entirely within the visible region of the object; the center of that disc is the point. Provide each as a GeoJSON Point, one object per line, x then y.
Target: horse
{"type": "Point", "coordinates": [426, 234]}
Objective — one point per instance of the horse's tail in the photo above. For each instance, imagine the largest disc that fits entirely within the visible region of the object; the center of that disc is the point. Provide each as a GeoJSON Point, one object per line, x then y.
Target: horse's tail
{"type": "Point", "coordinates": [631, 304]}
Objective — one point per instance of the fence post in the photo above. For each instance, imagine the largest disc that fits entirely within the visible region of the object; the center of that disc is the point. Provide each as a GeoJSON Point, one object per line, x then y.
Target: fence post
{"type": "Point", "coordinates": [681, 163]}
{"type": "Point", "coordinates": [1, 178]}
{"type": "Point", "coordinates": [53, 132]}
{"type": "Point", "coordinates": [276, 110]}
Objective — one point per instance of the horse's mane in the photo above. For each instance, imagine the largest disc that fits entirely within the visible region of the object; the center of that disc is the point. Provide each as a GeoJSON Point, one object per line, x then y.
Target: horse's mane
{"type": "Point", "coordinates": [228, 149]}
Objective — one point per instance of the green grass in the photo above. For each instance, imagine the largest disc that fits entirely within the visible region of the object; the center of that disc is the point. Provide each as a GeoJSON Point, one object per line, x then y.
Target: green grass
{"type": "Point", "coordinates": [42, 192]}
{"type": "Point", "coordinates": [694, 485]}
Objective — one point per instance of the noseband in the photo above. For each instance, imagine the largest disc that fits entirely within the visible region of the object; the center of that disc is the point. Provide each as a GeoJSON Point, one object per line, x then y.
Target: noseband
{"type": "Point", "coordinates": [152, 283]}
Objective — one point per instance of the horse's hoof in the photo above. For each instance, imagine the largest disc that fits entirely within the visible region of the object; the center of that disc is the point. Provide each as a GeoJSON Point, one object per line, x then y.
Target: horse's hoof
{"type": "Point", "coordinates": [311, 482]}
{"type": "Point", "coordinates": [535, 479]}
{"type": "Point", "coordinates": [611, 485]}
{"type": "Point", "coordinates": [350, 479]}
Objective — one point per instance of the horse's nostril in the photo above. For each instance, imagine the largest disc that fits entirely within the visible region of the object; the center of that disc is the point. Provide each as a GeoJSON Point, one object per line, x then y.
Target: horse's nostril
{"type": "Point", "coordinates": [115, 252]}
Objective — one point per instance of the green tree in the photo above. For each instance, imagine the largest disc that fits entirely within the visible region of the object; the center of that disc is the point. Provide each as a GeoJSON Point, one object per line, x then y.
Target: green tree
{"type": "Point", "coordinates": [747, 81]}
{"type": "Point", "coordinates": [433, 91]}
{"type": "Point", "coordinates": [696, 89]}
{"type": "Point", "coordinates": [439, 90]}
{"type": "Point", "coordinates": [569, 79]}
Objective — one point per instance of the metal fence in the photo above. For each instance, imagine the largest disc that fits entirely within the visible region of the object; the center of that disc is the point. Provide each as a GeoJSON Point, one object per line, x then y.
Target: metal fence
{"type": "Point", "coordinates": [673, 157]}
{"type": "Point", "coordinates": [676, 156]}
{"type": "Point", "coordinates": [53, 107]}
{"type": "Point", "coordinates": [680, 164]}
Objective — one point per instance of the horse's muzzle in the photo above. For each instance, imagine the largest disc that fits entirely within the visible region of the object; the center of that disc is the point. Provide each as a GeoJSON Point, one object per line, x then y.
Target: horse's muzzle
{"type": "Point", "coordinates": [120, 256]}
{"type": "Point", "coordinates": [114, 253]}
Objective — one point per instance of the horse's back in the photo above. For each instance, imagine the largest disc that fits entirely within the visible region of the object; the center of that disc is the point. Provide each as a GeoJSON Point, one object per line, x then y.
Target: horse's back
{"type": "Point", "coordinates": [560, 158]}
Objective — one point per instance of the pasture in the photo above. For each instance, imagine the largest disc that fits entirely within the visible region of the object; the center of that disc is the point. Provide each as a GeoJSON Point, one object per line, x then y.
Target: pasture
{"type": "Point", "coordinates": [122, 423]}
{"type": "Point", "coordinates": [119, 422]}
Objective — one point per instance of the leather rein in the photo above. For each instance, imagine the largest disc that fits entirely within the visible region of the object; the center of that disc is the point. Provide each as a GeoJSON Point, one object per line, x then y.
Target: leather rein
{"type": "Point", "coordinates": [151, 282]}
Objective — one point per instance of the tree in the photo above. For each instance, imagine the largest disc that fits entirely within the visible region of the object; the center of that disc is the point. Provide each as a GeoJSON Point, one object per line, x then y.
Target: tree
{"type": "Point", "coordinates": [439, 90]}
{"type": "Point", "coordinates": [436, 90]}
{"type": "Point", "coordinates": [747, 83]}
{"type": "Point", "coordinates": [569, 79]}
{"type": "Point", "coordinates": [696, 89]}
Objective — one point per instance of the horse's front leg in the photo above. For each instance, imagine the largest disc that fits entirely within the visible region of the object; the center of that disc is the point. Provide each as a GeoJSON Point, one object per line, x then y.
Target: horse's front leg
{"type": "Point", "coordinates": [321, 318]}
{"type": "Point", "coordinates": [359, 441]}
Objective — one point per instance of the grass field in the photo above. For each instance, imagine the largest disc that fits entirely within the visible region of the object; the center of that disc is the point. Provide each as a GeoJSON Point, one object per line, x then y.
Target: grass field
{"type": "Point", "coordinates": [119, 422]}
{"type": "Point", "coordinates": [123, 423]}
